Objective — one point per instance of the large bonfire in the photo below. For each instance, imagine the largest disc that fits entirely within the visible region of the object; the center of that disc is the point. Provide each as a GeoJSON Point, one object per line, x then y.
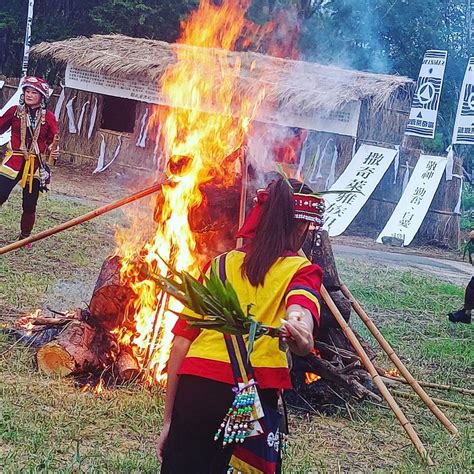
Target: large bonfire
{"type": "Point", "coordinates": [207, 121]}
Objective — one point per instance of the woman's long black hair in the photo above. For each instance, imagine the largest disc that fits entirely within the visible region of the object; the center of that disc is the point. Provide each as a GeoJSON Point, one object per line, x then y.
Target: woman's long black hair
{"type": "Point", "coordinates": [276, 231]}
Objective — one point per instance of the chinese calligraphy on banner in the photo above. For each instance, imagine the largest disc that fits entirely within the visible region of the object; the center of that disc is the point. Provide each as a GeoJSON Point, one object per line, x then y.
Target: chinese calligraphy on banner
{"type": "Point", "coordinates": [359, 180]}
{"type": "Point", "coordinates": [424, 108]}
{"type": "Point", "coordinates": [343, 121]}
{"type": "Point", "coordinates": [464, 125]}
{"type": "Point", "coordinates": [93, 81]}
{"type": "Point", "coordinates": [416, 199]}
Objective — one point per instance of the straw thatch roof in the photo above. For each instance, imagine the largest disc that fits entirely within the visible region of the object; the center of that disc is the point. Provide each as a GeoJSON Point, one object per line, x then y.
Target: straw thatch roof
{"type": "Point", "coordinates": [301, 85]}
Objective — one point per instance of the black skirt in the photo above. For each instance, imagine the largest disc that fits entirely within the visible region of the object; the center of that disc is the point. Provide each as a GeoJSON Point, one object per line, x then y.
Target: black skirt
{"type": "Point", "coordinates": [199, 408]}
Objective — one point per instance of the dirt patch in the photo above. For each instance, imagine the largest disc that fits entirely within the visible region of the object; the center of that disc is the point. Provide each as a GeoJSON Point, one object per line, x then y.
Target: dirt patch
{"type": "Point", "coordinates": [78, 181]}
{"type": "Point", "coordinates": [424, 251]}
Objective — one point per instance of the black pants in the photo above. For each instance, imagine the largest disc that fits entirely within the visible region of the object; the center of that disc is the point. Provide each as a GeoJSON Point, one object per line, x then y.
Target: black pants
{"type": "Point", "coordinates": [199, 408]}
{"type": "Point", "coordinates": [469, 296]}
{"type": "Point", "coordinates": [29, 201]}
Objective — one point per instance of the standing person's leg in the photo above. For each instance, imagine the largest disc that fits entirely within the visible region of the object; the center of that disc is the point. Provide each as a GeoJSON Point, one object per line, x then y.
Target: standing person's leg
{"type": "Point", "coordinates": [199, 408]}
{"type": "Point", "coordinates": [464, 315]}
{"type": "Point", "coordinates": [6, 187]}
{"type": "Point", "coordinates": [469, 296]}
{"type": "Point", "coordinates": [28, 216]}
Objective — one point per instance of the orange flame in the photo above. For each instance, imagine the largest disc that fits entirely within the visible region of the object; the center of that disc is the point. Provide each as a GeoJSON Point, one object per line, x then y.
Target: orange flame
{"type": "Point", "coordinates": [207, 121]}
{"type": "Point", "coordinates": [309, 377]}
{"type": "Point", "coordinates": [100, 387]}
{"type": "Point", "coordinates": [26, 322]}
{"type": "Point", "coordinates": [393, 372]}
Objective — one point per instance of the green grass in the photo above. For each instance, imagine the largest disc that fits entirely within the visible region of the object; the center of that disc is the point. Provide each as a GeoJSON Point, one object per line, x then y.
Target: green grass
{"type": "Point", "coordinates": [48, 425]}
{"type": "Point", "coordinates": [27, 275]}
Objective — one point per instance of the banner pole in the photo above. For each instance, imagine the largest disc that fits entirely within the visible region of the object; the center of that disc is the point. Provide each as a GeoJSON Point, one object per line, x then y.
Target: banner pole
{"type": "Point", "coordinates": [27, 42]}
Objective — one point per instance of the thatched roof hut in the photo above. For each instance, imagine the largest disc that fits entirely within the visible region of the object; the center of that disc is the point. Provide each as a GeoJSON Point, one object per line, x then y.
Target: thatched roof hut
{"type": "Point", "coordinates": [302, 84]}
{"type": "Point", "coordinates": [341, 108]}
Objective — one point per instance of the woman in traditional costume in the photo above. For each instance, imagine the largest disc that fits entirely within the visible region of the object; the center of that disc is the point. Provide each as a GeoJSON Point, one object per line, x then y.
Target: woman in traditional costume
{"type": "Point", "coordinates": [33, 130]}
{"type": "Point", "coordinates": [283, 288]}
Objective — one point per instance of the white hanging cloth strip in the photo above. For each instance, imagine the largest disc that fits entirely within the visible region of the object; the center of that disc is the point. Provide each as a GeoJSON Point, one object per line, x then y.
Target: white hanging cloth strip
{"type": "Point", "coordinates": [92, 122]}
{"type": "Point", "coordinates": [101, 159]}
{"type": "Point", "coordinates": [316, 161]}
{"type": "Point", "coordinates": [143, 130]}
{"type": "Point", "coordinates": [81, 116]}
{"type": "Point", "coordinates": [354, 147]}
{"type": "Point", "coordinates": [116, 153]}
{"type": "Point", "coordinates": [70, 116]}
{"type": "Point", "coordinates": [299, 173]}
{"type": "Point", "coordinates": [332, 172]}
{"type": "Point", "coordinates": [59, 103]}
{"type": "Point", "coordinates": [406, 176]}
{"type": "Point", "coordinates": [457, 209]}
{"type": "Point", "coordinates": [450, 163]}
{"type": "Point", "coordinates": [157, 154]}
{"type": "Point", "coordinates": [396, 164]}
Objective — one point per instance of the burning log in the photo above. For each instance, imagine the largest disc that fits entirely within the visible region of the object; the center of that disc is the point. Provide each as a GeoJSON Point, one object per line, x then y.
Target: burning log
{"type": "Point", "coordinates": [110, 297]}
{"type": "Point", "coordinates": [73, 351]}
{"type": "Point", "coordinates": [126, 367]}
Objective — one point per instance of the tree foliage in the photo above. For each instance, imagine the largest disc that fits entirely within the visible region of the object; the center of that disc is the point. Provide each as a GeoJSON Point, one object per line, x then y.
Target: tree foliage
{"type": "Point", "coordinates": [386, 36]}
{"type": "Point", "coordinates": [56, 20]}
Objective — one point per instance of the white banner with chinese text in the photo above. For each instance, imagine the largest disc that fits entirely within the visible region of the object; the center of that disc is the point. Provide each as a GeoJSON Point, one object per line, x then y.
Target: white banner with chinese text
{"type": "Point", "coordinates": [360, 179]}
{"type": "Point", "coordinates": [464, 125]}
{"type": "Point", "coordinates": [424, 108]}
{"type": "Point", "coordinates": [343, 121]}
{"type": "Point", "coordinates": [416, 199]}
{"type": "Point", "coordinates": [93, 81]}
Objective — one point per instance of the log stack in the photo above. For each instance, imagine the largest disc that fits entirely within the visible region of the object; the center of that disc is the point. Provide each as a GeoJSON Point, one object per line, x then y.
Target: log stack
{"type": "Point", "coordinates": [86, 343]}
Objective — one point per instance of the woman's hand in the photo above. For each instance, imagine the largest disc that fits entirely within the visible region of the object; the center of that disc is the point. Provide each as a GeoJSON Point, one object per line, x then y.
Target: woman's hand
{"type": "Point", "coordinates": [299, 332]}
{"type": "Point", "coordinates": [160, 444]}
{"type": "Point", "coordinates": [53, 155]}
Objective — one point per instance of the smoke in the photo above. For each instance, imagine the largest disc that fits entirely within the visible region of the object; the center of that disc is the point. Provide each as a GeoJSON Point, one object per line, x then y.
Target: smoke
{"type": "Point", "coordinates": [349, 34]}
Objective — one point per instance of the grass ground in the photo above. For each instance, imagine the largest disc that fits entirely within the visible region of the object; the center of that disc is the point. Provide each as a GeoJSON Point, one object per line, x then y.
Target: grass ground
{"type": "Point", "coordinates": [47, 425]}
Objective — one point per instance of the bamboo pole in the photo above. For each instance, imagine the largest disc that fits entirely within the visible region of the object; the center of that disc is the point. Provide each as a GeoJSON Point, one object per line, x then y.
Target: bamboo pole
{"type": "Point", "coordinates": [406, 425]}
{"type": "Point", "coordinates": [398, 363]}
{"type": "Point", "coordinates": [81, 219]}
{"type": "Point", "coordinates": [436, 386]}
{"type": "Point", "coordinates": [446, 403]}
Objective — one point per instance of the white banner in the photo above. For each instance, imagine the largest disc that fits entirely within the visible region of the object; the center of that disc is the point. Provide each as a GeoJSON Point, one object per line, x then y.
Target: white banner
{"type": "Point", "coordinates": [361, 176]}
{"type": "Point", "coordinates": [93, 81]}
{"type": "Point", "coordinates": [27, 42]}
{"type": "Point", "coordinates": [464, 125]}
{"type": "Point", "coordinates": [344, 121]}
{"type": "Point", "coordinates": [424, 108]}
{"type": "Point", "coordinates": [416, 199]}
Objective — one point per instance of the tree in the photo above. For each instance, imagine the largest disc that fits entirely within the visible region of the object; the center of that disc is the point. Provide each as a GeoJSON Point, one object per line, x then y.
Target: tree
{"type": "Point", "coordinates": [56, 20]}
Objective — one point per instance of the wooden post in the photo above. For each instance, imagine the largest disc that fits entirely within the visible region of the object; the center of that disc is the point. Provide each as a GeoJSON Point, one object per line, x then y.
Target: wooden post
{"type": "Point", "coordinates": [406, 425]}
{"type": "Point", "coordinates": [398, 363]}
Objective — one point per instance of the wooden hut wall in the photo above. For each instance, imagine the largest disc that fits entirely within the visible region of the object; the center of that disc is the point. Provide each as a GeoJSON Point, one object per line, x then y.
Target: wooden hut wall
{"type": "Point", "coordinates": [80, 149]}
{"type": "Point", "coordinates": [318, 155]}
{"type": "Point", "coordinates": [386, 125]}
{"type": "Point", "coordinates": [8, 89]}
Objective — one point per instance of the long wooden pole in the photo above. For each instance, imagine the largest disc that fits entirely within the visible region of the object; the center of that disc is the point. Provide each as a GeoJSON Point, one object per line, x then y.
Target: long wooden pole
{"type": "Point", "coordinates": [406, 425]}
{"type": "Point", "coordinates": [427, 400]}
{"type": "Point", "coordinates": [401, 393]}
{"type": "Point", "coordinates": [81, 219]}
{"type": "Point", "coordinates": [436, 386]}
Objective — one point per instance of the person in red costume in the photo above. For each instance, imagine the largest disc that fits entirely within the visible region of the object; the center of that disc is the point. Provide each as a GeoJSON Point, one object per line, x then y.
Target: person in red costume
{"type": "Point", "coordinates": [33, 129]}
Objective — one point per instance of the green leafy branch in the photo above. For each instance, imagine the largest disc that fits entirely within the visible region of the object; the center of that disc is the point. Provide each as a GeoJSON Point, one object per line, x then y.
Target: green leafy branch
{"type": "Point", "coordinates": [215, 304]}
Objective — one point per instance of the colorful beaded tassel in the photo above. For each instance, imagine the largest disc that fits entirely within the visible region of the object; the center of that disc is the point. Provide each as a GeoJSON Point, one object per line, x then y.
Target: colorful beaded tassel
{"type": "Point", "coordinates": [236, 424]}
